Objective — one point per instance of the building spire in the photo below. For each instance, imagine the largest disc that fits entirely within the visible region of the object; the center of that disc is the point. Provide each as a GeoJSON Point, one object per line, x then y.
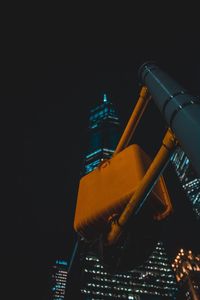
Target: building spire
{"type": "Point", "coordinates": [105, 98]}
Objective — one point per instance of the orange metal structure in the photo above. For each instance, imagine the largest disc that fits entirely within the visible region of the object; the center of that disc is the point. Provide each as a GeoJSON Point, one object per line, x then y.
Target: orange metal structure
{"type": "Point", "coordinates": [107, 190]}
{"type": "Point", "coordinates": [134, 119]}
{"type": "Point", "coordinates": [152, 176]}
{"type": "Point", "coordinates": [116, 186]}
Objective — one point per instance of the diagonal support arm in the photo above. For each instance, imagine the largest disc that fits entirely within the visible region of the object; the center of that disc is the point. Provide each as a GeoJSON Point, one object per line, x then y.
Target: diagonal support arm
{"type": "Point", "coordinates": [134, 120]}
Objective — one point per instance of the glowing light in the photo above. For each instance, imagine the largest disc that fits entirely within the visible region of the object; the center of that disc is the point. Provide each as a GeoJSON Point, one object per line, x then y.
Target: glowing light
{"type": "Point", "coordinates": [105, 98]}
{"type": "Point", "coordinates": [93, 153]}
{"type": "Point", "coordinates": [61, 262]}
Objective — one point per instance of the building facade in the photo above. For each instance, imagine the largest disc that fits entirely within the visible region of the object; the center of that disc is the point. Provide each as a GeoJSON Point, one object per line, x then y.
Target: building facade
{"type": "Point", "coordinates": [58, 280]}
{"type": "Point", "coordinates": [104, 129]}
{"type": "Point", "coordinates": [188, 178]}
{"type": "Point", "coordinates": [153, 280]}
{"type": "Point", "coordinates": [186, 264]}
{"type": "Point", "coordinates": [187, 269]}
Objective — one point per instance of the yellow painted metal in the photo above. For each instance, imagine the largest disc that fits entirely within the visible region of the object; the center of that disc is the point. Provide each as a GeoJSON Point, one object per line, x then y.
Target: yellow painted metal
{"type": "Point", "coordinates": [169, 144]}
{"type": "Point", "coordinates": [117, 185]}
{"type": "Point", "coordinates": [108, 189]}
{"type": "Point", "coordinates": [134, 120]}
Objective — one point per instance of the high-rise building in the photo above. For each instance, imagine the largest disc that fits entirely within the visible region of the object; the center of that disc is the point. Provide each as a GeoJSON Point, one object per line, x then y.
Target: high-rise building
{"type": "Point", "coordinates": [58, 280]}
{"type": "Point", "coordinates": [188, 178]}
{"type": "Point", "coordinates": [154, 279]}
{"type": "Point", "coordinates": [187, 269]}
{"type": "Point", "coordinates": [186, 264]}
{"type": "Point", "coordinates": [103, 134]}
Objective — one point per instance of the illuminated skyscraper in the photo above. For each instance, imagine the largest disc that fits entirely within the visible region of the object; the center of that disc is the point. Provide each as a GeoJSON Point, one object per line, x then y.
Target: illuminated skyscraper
{"type": "Point", "coordinates": [58, 280]}
{"type": "Point", "coordinates": [188, 178]}
{"type": "Point", "coordinates": [187, 268]}
{"type": "Point", "coordinates": [103, 134]}
{"type": "Point", "coordinates": [154, 279]}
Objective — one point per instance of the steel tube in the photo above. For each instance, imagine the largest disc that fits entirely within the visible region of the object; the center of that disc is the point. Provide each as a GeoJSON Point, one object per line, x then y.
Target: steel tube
{"type": "Point", "coordinates": [180, 109]}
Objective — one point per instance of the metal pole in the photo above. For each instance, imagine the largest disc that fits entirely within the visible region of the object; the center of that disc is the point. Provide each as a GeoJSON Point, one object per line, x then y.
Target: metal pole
{"type": "Point", "coordinates": [146, 185]}
{"type": "Point", "coordinates": [134, 120]}
{"type": "Point", "coordinates": [180, 109]}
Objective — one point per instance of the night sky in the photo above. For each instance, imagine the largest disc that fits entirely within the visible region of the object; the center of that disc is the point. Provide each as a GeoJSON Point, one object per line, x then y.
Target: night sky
{"type": "Point", "coordinates": [47, 92]}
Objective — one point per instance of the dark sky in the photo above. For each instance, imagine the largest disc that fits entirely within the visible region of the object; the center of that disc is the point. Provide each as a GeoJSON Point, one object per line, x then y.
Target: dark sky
{"type": "Point", "coordinates": [47, 92]}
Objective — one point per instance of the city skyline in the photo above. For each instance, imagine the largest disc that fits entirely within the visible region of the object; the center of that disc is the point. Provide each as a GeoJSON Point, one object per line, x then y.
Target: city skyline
{"type": "Point", "coordinates": [58, 280]}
